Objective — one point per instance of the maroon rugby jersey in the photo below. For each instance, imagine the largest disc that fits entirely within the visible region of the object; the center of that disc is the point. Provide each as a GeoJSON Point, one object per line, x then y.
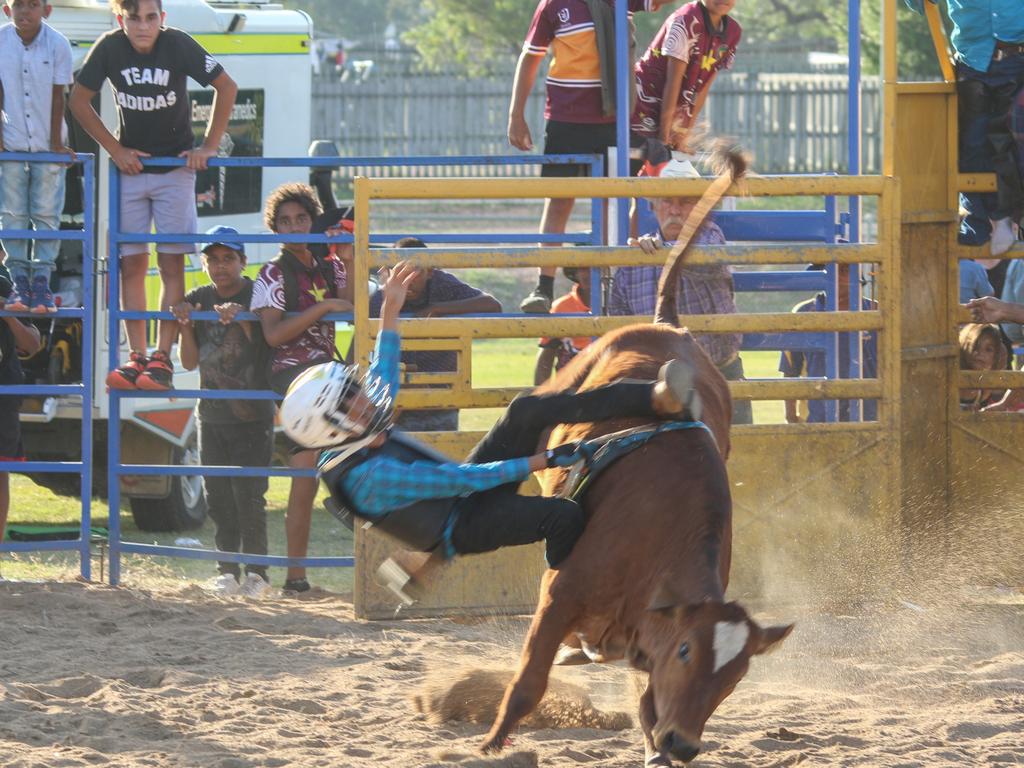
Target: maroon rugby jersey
{"type": "Point", "coordinates": [686, 36]}
{"type": "Point", "coordinates": [574, 78]}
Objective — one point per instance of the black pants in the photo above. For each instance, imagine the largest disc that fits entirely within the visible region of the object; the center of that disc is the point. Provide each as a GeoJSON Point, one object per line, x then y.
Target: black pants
{"type": "Point", "coordinates": [501, 517]}
{"type": "Point", "coordinates": [238, 505]}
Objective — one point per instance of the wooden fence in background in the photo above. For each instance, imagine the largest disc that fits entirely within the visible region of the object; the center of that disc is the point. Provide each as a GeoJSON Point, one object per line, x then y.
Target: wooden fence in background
{"type": "Point", "coordinates": [791, 123]}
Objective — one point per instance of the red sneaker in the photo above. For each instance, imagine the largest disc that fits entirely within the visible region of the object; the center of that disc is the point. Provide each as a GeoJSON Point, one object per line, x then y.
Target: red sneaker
{"type": "Point", "coordinates": [159, 373]}
{"type": "Point", "coordinates": [127, 375]}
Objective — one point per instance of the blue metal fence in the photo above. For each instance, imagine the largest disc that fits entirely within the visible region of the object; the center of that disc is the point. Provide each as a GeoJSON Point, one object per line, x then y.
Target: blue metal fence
{"type": "Point", "coordinates": [83, 466]}
{"type": "Point", "coordinates": [116, 468]}
{"type": "Point", "coordinates": [795, 225]}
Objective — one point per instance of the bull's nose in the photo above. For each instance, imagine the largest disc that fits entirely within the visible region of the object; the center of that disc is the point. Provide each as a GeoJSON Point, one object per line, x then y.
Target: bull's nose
{"type": "Point", "coordinates": [679, 747]}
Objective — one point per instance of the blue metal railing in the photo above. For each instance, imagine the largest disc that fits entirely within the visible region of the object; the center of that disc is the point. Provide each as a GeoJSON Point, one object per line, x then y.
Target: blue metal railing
{"type": "Point", "coordinates": [83, 467]}
{"type": "Point", "coordinates": [116, 469]}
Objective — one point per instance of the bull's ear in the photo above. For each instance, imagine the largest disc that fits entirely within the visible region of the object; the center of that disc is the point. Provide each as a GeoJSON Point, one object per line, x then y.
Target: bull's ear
{"type": "Point", "coordinates": [664, 598]}
{"type": "Point", "coordinates": [769, 638]}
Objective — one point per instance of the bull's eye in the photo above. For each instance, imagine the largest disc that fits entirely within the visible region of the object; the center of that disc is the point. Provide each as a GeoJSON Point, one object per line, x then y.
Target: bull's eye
{"type": "Point", "coordinates": [684, 652]}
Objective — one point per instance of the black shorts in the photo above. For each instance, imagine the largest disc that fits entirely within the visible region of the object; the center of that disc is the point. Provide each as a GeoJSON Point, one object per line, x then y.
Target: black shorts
{"type": "Point", "coordinates": [576, 139]}
{"type": "Point", "coordinates": [11, 448]}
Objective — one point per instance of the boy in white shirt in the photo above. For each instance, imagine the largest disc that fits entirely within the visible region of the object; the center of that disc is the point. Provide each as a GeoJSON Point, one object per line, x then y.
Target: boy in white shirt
{"type": "Point", "coordinates": [35, 67]}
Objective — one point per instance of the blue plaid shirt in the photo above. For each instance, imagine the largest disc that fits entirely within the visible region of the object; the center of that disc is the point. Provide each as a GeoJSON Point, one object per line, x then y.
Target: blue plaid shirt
{"type": "Point", "coordinates": [381, 484]}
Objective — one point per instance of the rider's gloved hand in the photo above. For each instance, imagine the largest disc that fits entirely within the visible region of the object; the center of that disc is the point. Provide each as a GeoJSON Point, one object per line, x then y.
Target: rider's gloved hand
{"type": "Point", "coordinates": [567, 454]}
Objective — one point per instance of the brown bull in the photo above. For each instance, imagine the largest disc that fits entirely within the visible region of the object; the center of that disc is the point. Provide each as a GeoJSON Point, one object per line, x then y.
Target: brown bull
{"type": "Point", "coordinates": [646, 581]}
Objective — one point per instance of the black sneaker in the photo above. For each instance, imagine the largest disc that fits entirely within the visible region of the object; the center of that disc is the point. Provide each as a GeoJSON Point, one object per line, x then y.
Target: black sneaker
{"type": "Point", "coordinates": [537, 303]}
{"type": "Point", "coordinates": [126, 376]}
{"type": "Point", "coordinates": [296, 585]}
{"type": "Point", "coordinates": [158, 375]}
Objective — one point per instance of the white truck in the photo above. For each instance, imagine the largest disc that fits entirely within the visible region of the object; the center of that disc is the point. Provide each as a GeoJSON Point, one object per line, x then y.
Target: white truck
{"type": "Point", "coordinates": [266, 50]}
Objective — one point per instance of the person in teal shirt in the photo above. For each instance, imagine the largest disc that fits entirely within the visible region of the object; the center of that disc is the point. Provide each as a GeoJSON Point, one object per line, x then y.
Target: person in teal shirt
{"type": "Point", "coordinates": [988, 38]}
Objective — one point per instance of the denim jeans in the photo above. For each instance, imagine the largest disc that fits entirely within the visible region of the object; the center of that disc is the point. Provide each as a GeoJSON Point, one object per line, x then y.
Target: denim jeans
{"type": "Point", "coordinates": [986, 144]}
{"type": "Point", "coordinates": [31, 197]}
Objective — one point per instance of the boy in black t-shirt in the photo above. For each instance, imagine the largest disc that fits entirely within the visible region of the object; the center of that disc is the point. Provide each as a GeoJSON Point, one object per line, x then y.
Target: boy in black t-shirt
{"type": "Point", "coordinates": [148, 67]}
{"type": "Point", "coordinates": [230, 355]}
{"type": "Point", "coordinates": [15, 336]}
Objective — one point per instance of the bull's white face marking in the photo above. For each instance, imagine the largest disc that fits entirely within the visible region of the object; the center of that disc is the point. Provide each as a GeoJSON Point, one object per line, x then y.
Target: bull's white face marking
{"type": "Point", "coordinates": [730, 639]}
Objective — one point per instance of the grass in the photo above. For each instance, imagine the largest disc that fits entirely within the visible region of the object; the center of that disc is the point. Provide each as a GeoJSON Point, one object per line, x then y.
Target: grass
{"type": "Point", "coordinates": [496, 362]}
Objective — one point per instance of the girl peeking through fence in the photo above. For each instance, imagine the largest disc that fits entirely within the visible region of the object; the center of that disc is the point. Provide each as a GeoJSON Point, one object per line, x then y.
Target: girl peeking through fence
{"type": "Point", "coordinates": [982, 349]}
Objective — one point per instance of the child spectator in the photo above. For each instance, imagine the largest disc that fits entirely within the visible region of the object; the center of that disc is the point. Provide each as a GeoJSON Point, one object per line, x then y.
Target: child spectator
{"type": "Point", "coordinates": [675, 74]}
{"type": "Point", "coordinates": [811, 364]}
{"type": "Point", "coordinates": [309, 286]}
{"type": "Point", "coordinates": [434, 293]}
{"type": "Point", "coordinates": [148, 66]}
{"type": "Point", "coordinates": [230, 355]}
{"type": "Point", "coordinates": [580, 107]}
{"type": "Point", "coordinates": [973, 281]}
{"type": "Point", "coordinates": [1009, 313]}
{"type": "Point", "coordinates": [554, 353]}
{"type": "Point", "coordinates": [981, 349]}
{"type": "Point", "coordinates": [35, 67]}
{"type": "Point", "coordinates": [15, 337]}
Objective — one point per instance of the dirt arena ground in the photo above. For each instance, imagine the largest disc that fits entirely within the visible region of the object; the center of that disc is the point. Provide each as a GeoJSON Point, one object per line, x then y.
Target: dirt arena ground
{"type": "Point", "coordinates": [176, 677]}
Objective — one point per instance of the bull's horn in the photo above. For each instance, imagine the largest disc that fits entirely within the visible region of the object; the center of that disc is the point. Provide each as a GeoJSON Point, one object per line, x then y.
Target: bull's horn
{"type": "Point", "coordinates": [769, 638]}
{"type": "Point", "coordinates": [664, 598]}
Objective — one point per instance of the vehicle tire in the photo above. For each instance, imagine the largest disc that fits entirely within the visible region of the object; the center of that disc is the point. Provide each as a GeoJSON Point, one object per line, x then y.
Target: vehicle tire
{"type": "Point", "coordinates": [184, 509]}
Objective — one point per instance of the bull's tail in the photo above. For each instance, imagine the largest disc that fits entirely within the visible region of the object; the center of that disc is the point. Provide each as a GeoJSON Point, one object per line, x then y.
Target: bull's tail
{"type": "Point", "coordinates": [731, 165]}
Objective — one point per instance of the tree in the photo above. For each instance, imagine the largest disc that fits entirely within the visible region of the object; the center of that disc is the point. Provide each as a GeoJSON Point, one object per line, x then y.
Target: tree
{"type": "Point", "coordinates": [362, 21]}
{"type": "Point", "coordinates": [473, 37]}
{"type": "Point", "coordinates": [470, 36]}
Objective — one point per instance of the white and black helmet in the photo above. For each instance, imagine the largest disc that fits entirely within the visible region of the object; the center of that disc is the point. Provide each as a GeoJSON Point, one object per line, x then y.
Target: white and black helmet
{"type": "Point", "coordinates": [322, 408]}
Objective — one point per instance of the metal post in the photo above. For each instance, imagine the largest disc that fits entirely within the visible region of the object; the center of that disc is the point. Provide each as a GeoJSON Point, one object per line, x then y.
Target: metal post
{"type": "Point", "coordinates": [853, 109]}
{"type": "Point", "coordinates": [600, 279]}
{"type": "Point", "coordinates": [113, 335]}
{"type": "Point", "coordinates": [623, 81]}
{"type": "Point", "coordinates": [88, 349]}
{"type": "Point", "coordinates": [831, 339]}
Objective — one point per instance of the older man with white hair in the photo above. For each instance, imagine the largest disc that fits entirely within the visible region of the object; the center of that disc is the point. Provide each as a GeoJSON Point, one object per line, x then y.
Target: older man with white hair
{"type": "Point", "coordinates": [704, 289]}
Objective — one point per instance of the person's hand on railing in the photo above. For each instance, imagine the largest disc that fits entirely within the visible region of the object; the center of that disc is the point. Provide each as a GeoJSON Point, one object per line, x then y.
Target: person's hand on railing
{"type": "Point", "coordinates": [183, 312]}
{"type": "Point", "coordinates": [58, 147]}
{"type": "Point", "coordinates": [333, 306]}
{"type": "Point", "coordinates": [197, 158]}
{"type": "Point", "coordinates": [519, 133]}
{"type": "Point", "coordinates": [228, 311]}
{"type": "Point", "coordinates": [647, 243]}
{"type": "Point", "coordinates": [127, 160]}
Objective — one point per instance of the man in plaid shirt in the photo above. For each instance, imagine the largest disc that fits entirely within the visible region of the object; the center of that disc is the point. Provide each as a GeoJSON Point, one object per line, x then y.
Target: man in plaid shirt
{"type": "Point", "coordinates": [434, 505]}
{"type": "Point", "coordinates": [704, 289]}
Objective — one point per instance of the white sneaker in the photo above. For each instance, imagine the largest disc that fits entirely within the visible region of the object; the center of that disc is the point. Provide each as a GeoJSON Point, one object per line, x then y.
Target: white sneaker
{"type": "Point", "coordinates": [225, 584]}
{"type": "Point", "coordinates": [1003, 236]}
{"type": "Point", "coordinates": [254, 586]}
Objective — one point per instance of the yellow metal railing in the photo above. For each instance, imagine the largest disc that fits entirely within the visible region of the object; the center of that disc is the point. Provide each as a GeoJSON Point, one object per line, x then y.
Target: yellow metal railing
{"type": "Point", "coordinates": [459, 332]}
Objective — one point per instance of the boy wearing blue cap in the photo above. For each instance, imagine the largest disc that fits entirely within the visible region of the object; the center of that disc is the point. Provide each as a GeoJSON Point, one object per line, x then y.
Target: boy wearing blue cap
{"type": "Point", "coordinates": [230, 354]}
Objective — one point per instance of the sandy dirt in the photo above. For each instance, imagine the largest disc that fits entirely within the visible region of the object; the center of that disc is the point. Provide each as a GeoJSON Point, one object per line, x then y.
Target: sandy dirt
{"type": "Point", "coordinates": [177, 677]}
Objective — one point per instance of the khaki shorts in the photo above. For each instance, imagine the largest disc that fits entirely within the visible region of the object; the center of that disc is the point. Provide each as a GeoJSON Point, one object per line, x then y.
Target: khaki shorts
{"type": "Point", "coordinates": [167, 200]}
